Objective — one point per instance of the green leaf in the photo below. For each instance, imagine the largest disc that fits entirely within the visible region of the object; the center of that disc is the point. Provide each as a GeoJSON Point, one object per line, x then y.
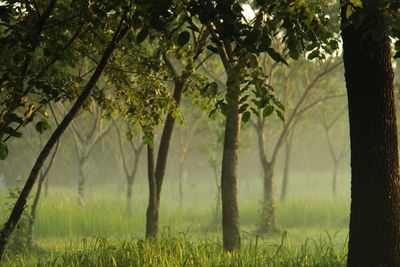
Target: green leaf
{"type": "Point", "coordinates": [3, 151]}
{"type": "Point", "coordinates": [313, 54]}
{"type": "Point", "coordinates": [253, 63]}
{"type": "Point", "coordinates": [349, 11]}
{"type": "Point", "coordinates": [39, 52]}
{"type": "Point", "coordinates": [142, 35]}
{"type": "Point", "coordinates": [12, 132]}
{"type": "Point", "coordinates": [212, 49]}
{"type": "Point", "coordinates": [243, 108]}
{"type": "Point", "coordinates": [268, 111]}
{"type": "Point", "coordinates": [246, 116]}
{"type": "Point", "coordinates": [183, 38]}
{"type": "Point", "coordinates": [213, 89]}
{"type": "Point", "coordinates": [12, 117]}
{"type": "Point", "coordinates": [356, 3]}
{"type": "Point", "coordinates": [224, 108]}
{"type": "Point", "coordinates": [280, 115]}
{"type": "Point", "coordinates": [276, 56]}
{"type": "Point", "coordinates": [42, 126]}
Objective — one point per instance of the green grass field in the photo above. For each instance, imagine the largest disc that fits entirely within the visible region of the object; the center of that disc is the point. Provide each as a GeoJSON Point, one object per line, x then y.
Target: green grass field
{"type": "Point", "coordinates": [313, 231]}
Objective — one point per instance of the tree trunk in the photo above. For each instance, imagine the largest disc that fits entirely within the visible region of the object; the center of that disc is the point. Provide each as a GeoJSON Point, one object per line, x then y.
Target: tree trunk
{"type": "Point", "coordinates": [267, 224]}
{"type": "Point", "coordinates": [268, 208]}
{"type": "Point", "coordinates": [19, 206]}
{"type": "Point", "coordinates": [81, 183]}
{"type": "Point", "coordinates": [374, 235]}
{"type": "Point", "coordinates": [129, 197]}
{"type": "Point", "coordinates": [230, 210]}
{"type": "Point", "coordinates": [35, 203]}
{"type": "Point", "coordinates": [285, 179]}
{"type": "Point", "coordinates": [334, 179]}
{"type": "Point", "coordinates": [154, 206]}
{"type": "Point", "coordinates": [217, 211]}
{"type": "Point", "coordinates": [130, 181]}
{"type": "Point", "coordinates": [152, 209]}
{"type": "Point", "coordinates": [46, 186]}
{"type": "Point", "coordinates": [180, 187]}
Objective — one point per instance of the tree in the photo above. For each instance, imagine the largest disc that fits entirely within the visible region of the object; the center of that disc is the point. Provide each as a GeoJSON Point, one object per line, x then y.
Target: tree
{"type": "Point", "coordinates": [130, 172]}
{"type": "Point", "coordinates": [119, 32]}
{"type": "Point", "coordinates": [238, 42]}
{"type": "Point", "coordinates": [336, 156]}
{"type": "Point", "coordinates": [38, 39]}
{"type": "Point", "coordinates": [85, 140]}
{"type": "Point", "coordinates": [374, 234]}
{"type": "Point", "coordinates": [295, 109]}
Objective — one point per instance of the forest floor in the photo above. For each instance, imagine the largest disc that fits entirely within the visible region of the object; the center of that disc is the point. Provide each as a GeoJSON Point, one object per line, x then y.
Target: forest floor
{"type": "Point", "coordinates": [313, 232]}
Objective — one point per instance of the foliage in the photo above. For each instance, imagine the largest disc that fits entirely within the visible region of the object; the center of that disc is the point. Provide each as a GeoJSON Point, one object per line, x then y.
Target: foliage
{"type": "Point", "coordinates": [43, 43]}
{"type": "Point", "coordinates": [359, 13]}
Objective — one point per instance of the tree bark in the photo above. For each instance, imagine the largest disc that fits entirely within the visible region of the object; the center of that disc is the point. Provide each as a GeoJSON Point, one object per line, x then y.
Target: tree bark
{"type": "Point", "coordinates": [20, 204]}
{"type": "Point", "coordinates": [374, 235]}
{"type": "Point", "coordinates": [152, 208]}
{"type": "Point", "coordinates": [230, 210]}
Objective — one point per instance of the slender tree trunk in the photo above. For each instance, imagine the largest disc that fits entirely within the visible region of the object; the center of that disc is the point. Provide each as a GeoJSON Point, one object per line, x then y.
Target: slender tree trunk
{"type": "Point", "coordinates": [32, 216]}
{"type": "Point", "coordinates": [285, 179]}
{"type": "Point", "coordinates": [181, 164]}
{"type": "Point", "coordinates": [81, 182]}
{"type": "Point", "coordinates": [154, 206]}
{"type": "Point", "coordinates": [130, 181]}
{"type": "Point", "coordinates": [230, 210]}
{"type": "Point", "coordinates": [374, 234]}
{"type": "Point", "coordinates": [217, 211]}
{"type": "Point", "coordinates": [180, 186]}
{"type": "Point", "coordinates": [129, 197]}
{"type": "Point", "coordinates": [46, 186]}
{"type": "Point", "coordinates": [268, 209]}
{"type": "Point", "coordinates": [35, 203]}
{"type": "Point", "coordinates": [267, 224]}
{"type": "Point", "coordinates": [334, 179]}
{"type": "Point", "coordinates": [152, 209]}
{"type": "Point", "coordinates": [19, 206]}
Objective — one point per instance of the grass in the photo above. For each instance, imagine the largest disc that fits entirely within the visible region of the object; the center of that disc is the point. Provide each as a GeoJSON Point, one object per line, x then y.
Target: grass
{"type": "Point", "coordinates": [181, 251]}
{"type": "Point", "coordinates": [314, 232]}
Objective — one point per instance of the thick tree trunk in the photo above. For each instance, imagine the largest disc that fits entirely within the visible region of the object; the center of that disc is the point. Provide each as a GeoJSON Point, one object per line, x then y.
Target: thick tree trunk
{"type": "Point", "coordinates": [152, 209]}
{"type": "Point", "coordinates": [19, 206]}
{"type": "Point", "coordinates": [230, 210]}
{"type": "Point", "coordinates": [374, 236]}
{"type": "Point", "coordinates": [285, 179]}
